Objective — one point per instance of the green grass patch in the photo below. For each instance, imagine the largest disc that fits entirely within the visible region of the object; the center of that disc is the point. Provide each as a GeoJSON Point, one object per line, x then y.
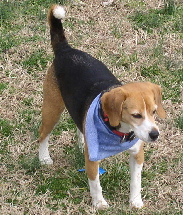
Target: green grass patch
{"type": "Point", "coordinates": [149, 21]}
{"type": "Point", "coordinates": [6, 127]}
{"type": "Point", "coordinates": [14, 15]}
{"type": "Point", "coordinates": [75, 156]}
{"type": "Point", "coordinates": [157, 18]}
{"type": "Point", "coordinates": [12, 201]}
{"type": "Point", "coordinates": [4, 150]}
{"type": "Point", "coordinates": [135, 4]}
{"type": "Point", "coordinates": [32, 8]}
{"type": "Point", "coordinates": [7, 12]}
{"type": "Point", "coordinates": [29, 164]}
{"type": "Point", "coordinates": [116, 181]}
{"type": "Point", "coordinates": [171, 85]}
{"type": "Point", "coordinates": [161, 167]}
{"type": "Point", "coordinates": [28, 115]}
{"type": "Point", "coordinates": [117, 32]}
{"type": "Point", "coordinates": [169, 7]}
{"type": "Point", "coordinates": [66, 124]}
{"type": "Point", "coordinates": [179, 121]}
{"type": "Point", "coordinates": [38, 60]}
{"type": "Point", "coordinates": [6, 135]}
{"type": "Point", "coordinates": [61, 184]}
{"type": "Point", "coordinates": [150, 71]}
{"type": "Point", "coordinates": [9, 41]}
{"type": "Point", "coordinates": [3, 86]}
{"type": "Point", "coordinates": [58, 186]}
{"type": "Point", "coordinates": [43, 3]}
{"type": "Point", "coordinates": [9, 29]}
{"type": "Point", "coordinates": [27, 120]}
{"type": "Point", "coordinates": [28, 102]}
{"type": "Point", "coordinates": [120, 60]}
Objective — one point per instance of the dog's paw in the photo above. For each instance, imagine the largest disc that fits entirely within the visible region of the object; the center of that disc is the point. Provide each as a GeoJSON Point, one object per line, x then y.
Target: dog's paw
{"type": "Point", "coordinates": [137, 203]}
{"type": "Point", "coordinates": [46, 161]}
{"type": "Point", "coordinates": [100, 204]}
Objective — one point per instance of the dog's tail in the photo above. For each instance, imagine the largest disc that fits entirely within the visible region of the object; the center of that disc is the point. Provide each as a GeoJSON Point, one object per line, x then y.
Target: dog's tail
{"type": "Point", "coordinates": [55, 14]}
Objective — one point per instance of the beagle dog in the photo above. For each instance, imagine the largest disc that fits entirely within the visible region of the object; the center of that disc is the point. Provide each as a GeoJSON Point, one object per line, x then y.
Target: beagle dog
{"type": "Point", "coordinates": [97, 101]}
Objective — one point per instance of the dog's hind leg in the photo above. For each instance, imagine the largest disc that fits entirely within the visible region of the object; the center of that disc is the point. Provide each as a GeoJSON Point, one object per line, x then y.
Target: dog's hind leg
{"type": "Point", "coordinates": [92, 169]}
{"type": "Point", "coordinates": [53, 106]}
{"type": "Point", "coordinates": [136, 164]}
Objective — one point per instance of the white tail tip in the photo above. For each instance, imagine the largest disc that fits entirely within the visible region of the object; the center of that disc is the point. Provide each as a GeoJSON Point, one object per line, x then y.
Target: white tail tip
{"type": "Point", "coordinates": [59, 12]}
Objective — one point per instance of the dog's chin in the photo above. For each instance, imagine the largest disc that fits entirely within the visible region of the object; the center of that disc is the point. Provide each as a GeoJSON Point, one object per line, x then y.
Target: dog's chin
{"type": "Point", "coordinates": [150, 140]}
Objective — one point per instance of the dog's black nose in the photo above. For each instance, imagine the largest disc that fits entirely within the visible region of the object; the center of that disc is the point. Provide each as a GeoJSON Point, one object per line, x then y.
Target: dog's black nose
{"type": "Point", "coordinates": [154, 134]}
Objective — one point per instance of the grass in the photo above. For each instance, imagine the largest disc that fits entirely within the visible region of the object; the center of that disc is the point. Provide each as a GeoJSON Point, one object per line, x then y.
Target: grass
{"type": "Point", "coordinates": [179, 121]}
{"type": "Point", "coordinates": [138, 41]}
{"type": "Point", "coordinates": [175, 79]}
{"type": "Point", "coordinates": [29, 164]}
{"type": "Point", "coordinates": [6, 127]}
{"type": "Point", "coordinates": [38, 60]}
{"type": "Point", "coordinates": [165, 18]}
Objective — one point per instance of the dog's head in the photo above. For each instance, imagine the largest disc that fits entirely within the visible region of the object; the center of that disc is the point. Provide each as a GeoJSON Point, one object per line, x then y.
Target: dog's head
{"type": "Point", "coordinates": [135, 104]}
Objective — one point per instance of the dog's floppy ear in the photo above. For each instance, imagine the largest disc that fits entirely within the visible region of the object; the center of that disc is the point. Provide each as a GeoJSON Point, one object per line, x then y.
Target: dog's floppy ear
{"type": "Point", "coordinates": [112, 102]}
{"type": "Point", "coordinates": [158, 100]}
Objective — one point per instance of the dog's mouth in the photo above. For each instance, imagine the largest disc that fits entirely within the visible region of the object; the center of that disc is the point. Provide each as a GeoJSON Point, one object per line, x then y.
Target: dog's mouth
{"type": "Point", "coordinates": [146, 136]}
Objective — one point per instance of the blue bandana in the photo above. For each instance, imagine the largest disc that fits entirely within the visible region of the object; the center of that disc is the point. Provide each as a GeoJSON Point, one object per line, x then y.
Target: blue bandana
{"type": "Point", "coordinates": [101, 141]}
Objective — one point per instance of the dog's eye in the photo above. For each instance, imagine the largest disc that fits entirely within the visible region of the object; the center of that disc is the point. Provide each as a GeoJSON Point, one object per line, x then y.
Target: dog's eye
{"type": "Point", "coordinates": [137, 116]}
{"type": "Point", "coordinates": [154, 112]}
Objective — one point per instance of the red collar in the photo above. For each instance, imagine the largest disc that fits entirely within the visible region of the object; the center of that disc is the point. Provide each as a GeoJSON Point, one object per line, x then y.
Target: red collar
{"type": "Point", "coordinates": [124, 136]}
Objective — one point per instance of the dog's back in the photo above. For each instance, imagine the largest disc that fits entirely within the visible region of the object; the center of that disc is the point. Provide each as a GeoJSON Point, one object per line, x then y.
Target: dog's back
{"type": "Point", "coordinates": [80, 76]}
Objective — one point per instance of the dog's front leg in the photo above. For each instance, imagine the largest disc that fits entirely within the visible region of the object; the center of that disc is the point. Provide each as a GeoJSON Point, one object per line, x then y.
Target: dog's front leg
{"type": "Point", "coordinates": [92, 169]}
{"type": "Point", "coordinates": [136, 164]}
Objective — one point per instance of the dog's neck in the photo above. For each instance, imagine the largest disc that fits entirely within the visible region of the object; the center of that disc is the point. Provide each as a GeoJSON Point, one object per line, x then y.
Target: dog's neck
{"type": "Point", "coordinates": [124, 127]}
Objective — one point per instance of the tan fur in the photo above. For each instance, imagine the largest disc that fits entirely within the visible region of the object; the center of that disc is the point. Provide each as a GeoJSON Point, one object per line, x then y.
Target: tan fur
{"type": "Point", "coordinates": [91, 166]}
{"type": "Point", "coordinates": [158, 99]}
{"type": "Point", "coordinates": [112, 104]}
{"type": "Point", "coordinates": [139, 157]}
{"type": "Point", "coordinates": [53, 104]}
{"type": "Point", "coordinates": [151, 92]}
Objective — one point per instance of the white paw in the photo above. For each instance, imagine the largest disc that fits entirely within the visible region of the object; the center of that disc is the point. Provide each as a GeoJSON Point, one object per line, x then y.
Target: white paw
{"type": "Point", "coordinates": [137, 203]}
{"type": "Point", "coordinates": [46, 161]}
{"type": "Point", "coordinates": [100, 204]}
